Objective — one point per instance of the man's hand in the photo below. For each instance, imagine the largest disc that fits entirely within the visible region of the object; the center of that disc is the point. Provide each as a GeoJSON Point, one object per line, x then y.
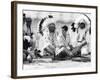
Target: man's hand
{"type": "Point", "coordinates": [75, 50]}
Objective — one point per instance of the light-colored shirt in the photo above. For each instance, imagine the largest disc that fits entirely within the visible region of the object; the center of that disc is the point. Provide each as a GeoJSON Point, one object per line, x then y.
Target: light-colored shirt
{"type": "Point", "coordinates": [62, 41]}
{"type": "Point", "coordinates": [47, 39]}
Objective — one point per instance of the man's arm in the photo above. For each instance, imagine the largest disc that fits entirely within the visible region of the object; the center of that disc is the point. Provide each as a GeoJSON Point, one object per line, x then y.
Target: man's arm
{"type": "Point", "coordinates": [78, 48]}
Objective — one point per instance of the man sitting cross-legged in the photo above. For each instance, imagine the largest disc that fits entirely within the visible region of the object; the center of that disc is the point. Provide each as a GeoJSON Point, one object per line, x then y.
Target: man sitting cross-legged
{"type": "Point", "coordinates": [64, 50]}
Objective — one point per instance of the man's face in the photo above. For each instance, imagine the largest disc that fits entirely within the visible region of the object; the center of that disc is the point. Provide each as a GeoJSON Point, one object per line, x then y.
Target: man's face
{"type": "Point", "coordinates": [51, 27]}
{"type": "Point", "coordinates": [63, 32]}
{"type": "Point", "coordinates": [81, 28]}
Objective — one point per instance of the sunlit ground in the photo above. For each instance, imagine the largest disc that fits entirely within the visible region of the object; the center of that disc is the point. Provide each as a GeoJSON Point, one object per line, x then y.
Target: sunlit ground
{"type": "Point", "coordinates": [43, 63]}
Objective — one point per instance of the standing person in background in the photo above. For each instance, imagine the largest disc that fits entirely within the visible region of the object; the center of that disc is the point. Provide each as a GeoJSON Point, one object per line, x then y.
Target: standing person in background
{"type": "Point", "coordinates": [28, 24]}
{"type": "Point", "coordinates": [27, 21]}
{"type": "Point", "coordinates": [24, 24]}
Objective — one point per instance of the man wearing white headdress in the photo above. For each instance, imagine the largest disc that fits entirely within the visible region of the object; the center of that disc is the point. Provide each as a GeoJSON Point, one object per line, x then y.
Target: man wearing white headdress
{"type": "Point", "coordinates": [47, 43]}
{"type": "Point", "coordinates": [78, 37]}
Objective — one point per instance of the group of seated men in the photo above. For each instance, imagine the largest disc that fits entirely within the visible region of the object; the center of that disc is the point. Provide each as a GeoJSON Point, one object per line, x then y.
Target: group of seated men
{"type": "Point", "coordinates": [56, 44]}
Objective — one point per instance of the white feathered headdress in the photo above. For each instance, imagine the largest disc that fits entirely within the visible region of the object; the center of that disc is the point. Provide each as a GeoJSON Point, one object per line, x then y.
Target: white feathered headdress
{"type": "Point", "coordinates": [43, 25]}
{"type": "Point", "coordinates": [48, 21]}
{"type": "Point", "coordinates": [83, 19]}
